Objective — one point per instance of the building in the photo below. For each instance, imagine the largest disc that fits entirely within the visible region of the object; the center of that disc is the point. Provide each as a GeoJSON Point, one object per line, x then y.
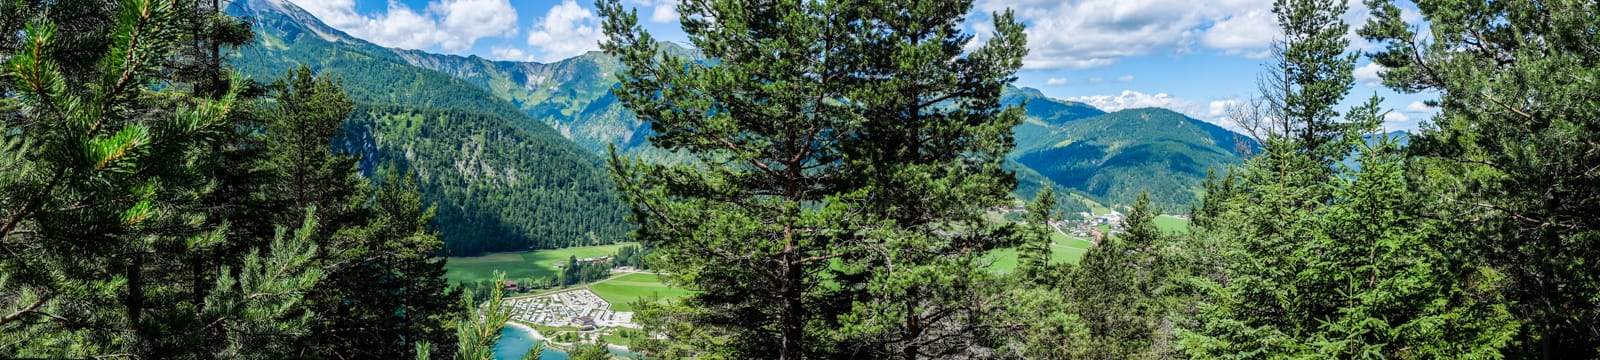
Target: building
{"type": "Point", "coordinates": [595, 260]}
{"type": "Point", "coordinates": [510, 285]}
{"type": "Point", "coordinates": [584, 323]}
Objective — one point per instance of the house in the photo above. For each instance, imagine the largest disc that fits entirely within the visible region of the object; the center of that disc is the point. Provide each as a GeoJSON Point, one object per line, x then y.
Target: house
{"type": "Point", "coordinates": [595, 260]}
{"type": "Point", "coordinates": [584, 323]}
{"type": "Point", "coordinates": [511, 285]}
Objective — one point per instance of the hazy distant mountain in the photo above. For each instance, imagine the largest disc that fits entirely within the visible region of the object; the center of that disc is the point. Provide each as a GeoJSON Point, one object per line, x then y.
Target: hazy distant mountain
{"type": "Point", "coordinates": [502, 180]}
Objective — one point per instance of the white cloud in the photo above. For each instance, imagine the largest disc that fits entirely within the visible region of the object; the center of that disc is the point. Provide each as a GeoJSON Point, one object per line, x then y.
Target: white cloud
{"type": "Point", "coordinates": [1369, 75]}
{"type": "Point", "coordinates": [1130, 99]}
{"type": "Point", "coordinates": [1214, 111]}
{"type": "Point", "coordinates": [1245, 33]}
{"type": "Point", "coordinates": [567, 30]}
{"type": "Point", "coordinates": [660, 11]}
{"type": "Point", "coordinates": [1395, 117]}
{"type": "Point", "coordinates": [446, 25]}
{"type": "Point", "coordinates": [509, 54]}
{"type": "Point", "coordinates": [1218, 109]}
{"type": "Point", "coordinates": [1418, 107]}
{"type": "Point", "coordinates": [1057, 81]}
{"type": "Point", "coordinates": [1081, 34]}
{"type": "Point", "coordinates": [1125, 78]}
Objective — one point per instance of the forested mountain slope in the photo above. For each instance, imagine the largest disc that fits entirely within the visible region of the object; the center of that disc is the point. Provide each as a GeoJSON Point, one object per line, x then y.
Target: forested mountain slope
{"type": "Point", "coordinates": [502, 180]}
{"type": "Point", "coordinates": [1109, 159]}
{"type": "Point", "coordinates": [1113, 157]}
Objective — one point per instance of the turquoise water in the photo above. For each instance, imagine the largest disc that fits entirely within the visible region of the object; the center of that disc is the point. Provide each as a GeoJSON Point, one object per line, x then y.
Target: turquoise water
{"type": "Point", "coordinates": [514, 343]}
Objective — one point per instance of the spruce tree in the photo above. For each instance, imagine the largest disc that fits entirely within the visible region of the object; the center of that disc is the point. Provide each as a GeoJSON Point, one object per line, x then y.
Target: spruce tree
{"type": "Point", "coordinates": [1335, 261]}
{"type": "Point", "coordinates": [1512, 150]}
{"type": "Point", "coordinates": [1114, 290]}
{"type": "Point", "coordinates": [1034, 253]}
{"type": "Point", "coordinates": [846, 152]}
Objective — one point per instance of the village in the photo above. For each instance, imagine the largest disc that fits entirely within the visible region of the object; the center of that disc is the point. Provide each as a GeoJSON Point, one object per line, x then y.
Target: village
{"type": "Point", "coordinates": [1083, 225]}
{"type": "Point", "coordinates": [578, 308]}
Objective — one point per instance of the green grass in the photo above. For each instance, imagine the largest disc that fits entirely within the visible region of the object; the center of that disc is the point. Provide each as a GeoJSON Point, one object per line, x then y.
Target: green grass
{"type": "Point", "coordinates": [622, 291]}
{"type": "Point", "coordinates": [1169, 223]}
{"type": "Point", "coordinates": [517, 265]}
{"type": "Point", "coordinates": [1063, 248]}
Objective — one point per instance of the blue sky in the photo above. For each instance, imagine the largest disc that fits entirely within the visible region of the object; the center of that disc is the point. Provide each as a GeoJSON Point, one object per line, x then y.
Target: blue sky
{"type": "Point", "coordinates": [1194, 56]}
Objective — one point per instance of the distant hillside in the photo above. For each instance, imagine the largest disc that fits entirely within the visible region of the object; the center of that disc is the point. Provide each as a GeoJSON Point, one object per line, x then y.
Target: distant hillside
{"type": "Point", "coordinates": [1113, 157]}
{"type": "Point", "coordinates": [502, 180]}
{"type": "Point", "coordinates": [572, 95]}
{"type": "Point", "coordinates": [1080, 149]}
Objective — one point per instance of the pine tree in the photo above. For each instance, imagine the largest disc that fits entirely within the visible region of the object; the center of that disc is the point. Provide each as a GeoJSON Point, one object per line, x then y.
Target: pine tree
{"type": "Point", "coordinates": [847, 151]}
{"type": "Point", "coordinates": [383, 288]}
{"type": "Point", "coordinates": [1512, 151]}
{"type": "Point", "coordinates": [1114, 290]}
{"type": "Point", "coordinates": [1034, 253]}
{"type": "Point", "coordinates": [475, 337]}
{"type": "Point", "coordinates": [99, 198]}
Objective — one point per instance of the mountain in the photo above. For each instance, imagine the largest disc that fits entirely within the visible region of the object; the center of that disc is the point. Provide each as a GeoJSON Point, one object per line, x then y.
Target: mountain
{"type": "Point", "coordinates": [502, 179]}
{"type": "Point", "coordinates": [1105, 157]}
{"type": "Point", "coordinates": [1115, 156]}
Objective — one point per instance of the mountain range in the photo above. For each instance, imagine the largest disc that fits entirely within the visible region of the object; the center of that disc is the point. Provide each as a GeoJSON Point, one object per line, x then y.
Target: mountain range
{"type": "Point", "coordinates": [510, 150]}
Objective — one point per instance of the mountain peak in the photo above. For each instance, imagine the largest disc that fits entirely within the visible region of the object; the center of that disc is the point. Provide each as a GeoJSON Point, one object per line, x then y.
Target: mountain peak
{"type": "Point", "coordinates": [284, 17]}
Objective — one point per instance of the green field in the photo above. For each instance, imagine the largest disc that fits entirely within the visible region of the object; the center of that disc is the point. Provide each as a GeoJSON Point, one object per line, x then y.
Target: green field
{"type": "Point", "coordinates": [622, 291]}
{"type": "Point", "coordinates": [1169, 223]}
{"type": "Point", "coordinates": [1063, 248]}
{"type": "Point", "coordinates": [516, 265]}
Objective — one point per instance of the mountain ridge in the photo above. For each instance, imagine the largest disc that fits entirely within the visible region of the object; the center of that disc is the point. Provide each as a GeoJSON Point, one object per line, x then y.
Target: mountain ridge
{"type": "Point", "coordinates": [572, 97]}
{"type": "Point", "coordinates": [501, 180]}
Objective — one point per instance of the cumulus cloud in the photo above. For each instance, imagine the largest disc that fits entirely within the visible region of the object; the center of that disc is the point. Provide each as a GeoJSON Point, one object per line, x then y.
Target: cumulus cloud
{"type": "Point", "coordinates": [567, 30]}
{"type": "Point", "coordinates": [1125, 78]}
{"type": "Point", "coordinates": [445, 25]}
{"type": "Point", "coordinates": [1418, 106]}
{"type": "Point", "coordinates": [1079, 34]}
{"type": "Point", "coordinates": [1395, 117]}
{"type": "Point", "coordinates": [1213, 111]}
{"type": "Point", "coordinates": [1369, 75]}
{"type": "Point", "coordinates": [1130, 99]}
{"type": "Point", "coordinates": [1056, 81]}
{"type": "Point", "coordinates": [509, 54]}
{"type": "Point", "coordinates": [1249, 32]}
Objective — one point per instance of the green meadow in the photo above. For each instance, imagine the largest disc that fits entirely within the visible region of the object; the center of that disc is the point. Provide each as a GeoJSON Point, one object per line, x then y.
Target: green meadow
{"type": "Point", "coordinates": [522, 264]}
{"type": "Point", "coordinates": [622, 291]}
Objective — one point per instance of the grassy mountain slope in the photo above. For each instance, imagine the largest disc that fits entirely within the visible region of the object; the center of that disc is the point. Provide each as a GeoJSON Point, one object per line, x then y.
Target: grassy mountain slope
{"type": "Point", "coordinates": [502, 180]}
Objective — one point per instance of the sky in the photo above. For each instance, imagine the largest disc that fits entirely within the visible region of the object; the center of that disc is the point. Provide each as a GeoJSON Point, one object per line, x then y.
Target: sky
{"type": "Point", "coordinates": [1193, 56]}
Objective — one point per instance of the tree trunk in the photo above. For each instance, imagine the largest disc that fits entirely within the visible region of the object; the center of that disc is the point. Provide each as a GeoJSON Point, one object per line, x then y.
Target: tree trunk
{"type": "Point", "coordinates": [793, 322]}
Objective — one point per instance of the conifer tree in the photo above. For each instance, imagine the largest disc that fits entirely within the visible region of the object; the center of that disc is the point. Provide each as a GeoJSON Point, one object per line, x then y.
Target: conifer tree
{"type": "Point", "coordinates": [1034, 253]}
{"type": "Point", "coordinates": [847, 151]}
{"type": "Point", "coordinates": [1335, 261]}
{"type": "Point", "coordinates": [98, 199]}
{"type": "Point", "coordinates": [1512, 150]}
{"type": "Point", "coordinates": [1114, 289]}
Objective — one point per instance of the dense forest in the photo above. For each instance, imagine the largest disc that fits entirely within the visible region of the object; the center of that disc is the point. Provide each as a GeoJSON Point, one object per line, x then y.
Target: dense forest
{"type": "Point", "coordinates": [831, 228]}
{"type": "Point", "coordinates": [155, 204]}
{"type": "Point", "coordinates": [503, 181]}
{"type": "Point", "coordinates": [486, 179]}
{"type": "Point", "coordinates": [1119, 155]}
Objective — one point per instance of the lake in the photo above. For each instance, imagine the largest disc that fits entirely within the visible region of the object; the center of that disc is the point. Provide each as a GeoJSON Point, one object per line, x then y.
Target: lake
{"type": "Point", "coordinates": [515, 342]}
